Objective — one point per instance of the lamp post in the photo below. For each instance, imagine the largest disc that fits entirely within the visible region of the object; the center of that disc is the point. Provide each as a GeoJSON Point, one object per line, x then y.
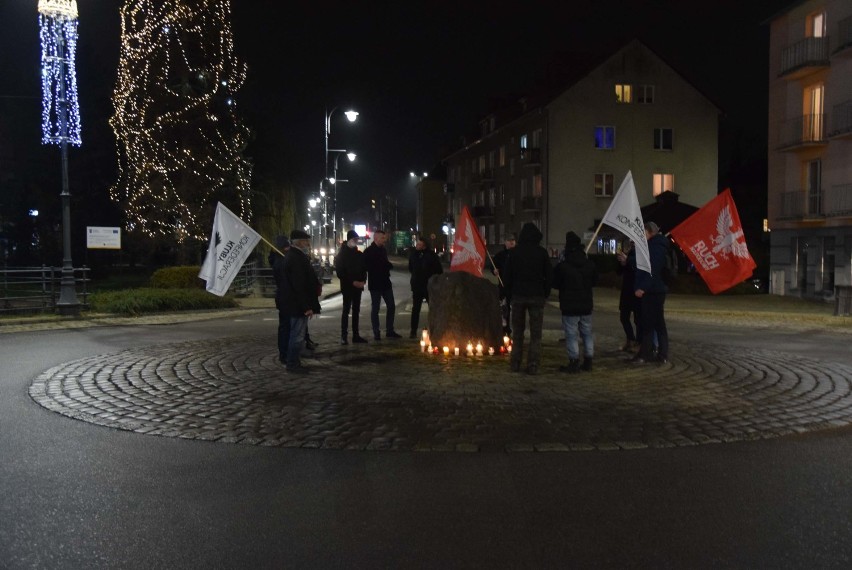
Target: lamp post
{"type": "Point", "coordinates": [333, 180]}
{"type": "Point", "coordinates": [61, 116]}
{"type": "Point", "coordinates": [418, 214]}
{"type": "Point", "coordinates": [351, 116]}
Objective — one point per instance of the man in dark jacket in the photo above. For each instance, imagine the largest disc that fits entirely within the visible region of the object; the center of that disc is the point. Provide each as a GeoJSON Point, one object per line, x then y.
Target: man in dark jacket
{"type": "Point", "coordinates": [422, 264]}
{"type": "Point", "coordinates": [575, 277]}
{"type": "Point", "coordinates": [628, 304]}
{"type": "Point", "coordinates": [505, 295]}
{"type": "Point", "coordinates": [352, 272]}
{"type": "Point", "coordinates": [379, 283]}
{"type": "Point", "coordinates": [651, 290]}
{"type": "Point", "coordinates": [298, 298]}
{"type": "Point", "coordinates": [528, 274]}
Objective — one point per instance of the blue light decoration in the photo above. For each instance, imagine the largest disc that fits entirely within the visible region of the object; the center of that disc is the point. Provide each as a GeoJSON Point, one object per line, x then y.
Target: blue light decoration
{"type": "Point", "coordinates": [58, 31]}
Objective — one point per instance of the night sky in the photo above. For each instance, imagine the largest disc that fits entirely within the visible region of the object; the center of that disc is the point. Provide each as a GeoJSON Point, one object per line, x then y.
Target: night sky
{"type": "Point", "coordinates": [420, 73]}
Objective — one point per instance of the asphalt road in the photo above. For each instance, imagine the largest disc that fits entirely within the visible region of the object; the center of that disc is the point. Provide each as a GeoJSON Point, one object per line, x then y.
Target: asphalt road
{"type": "Point", "coordinates": [75, 495]}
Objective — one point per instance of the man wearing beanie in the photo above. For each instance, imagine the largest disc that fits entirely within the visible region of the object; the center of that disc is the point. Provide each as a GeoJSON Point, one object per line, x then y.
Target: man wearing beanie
{"type": "Point", "coordinates": [350, 269]}
{"type": "Point", "coordinates": [422, 264]}
{"type": "Point", "coordinates": [574, 277]}
{"type": "Point", "coordinates": [298, 299]}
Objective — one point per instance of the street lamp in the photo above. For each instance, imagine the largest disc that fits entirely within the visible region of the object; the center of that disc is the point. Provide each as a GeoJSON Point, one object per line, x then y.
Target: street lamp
{"type": "Point", "coordinates": [333, 180]}
{"type": "Point", "coordinates": [61, 116]}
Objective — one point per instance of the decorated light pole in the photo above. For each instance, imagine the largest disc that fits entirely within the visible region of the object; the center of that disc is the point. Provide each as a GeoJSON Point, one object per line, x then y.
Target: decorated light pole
{"type": "Point", "coordinates": [60, 117]}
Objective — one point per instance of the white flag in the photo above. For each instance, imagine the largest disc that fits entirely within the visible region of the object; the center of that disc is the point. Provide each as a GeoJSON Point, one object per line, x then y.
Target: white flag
{"type": "Point", "coordinates": [625, 215]}
{"type": "Point", "coordinates": [231, 242]}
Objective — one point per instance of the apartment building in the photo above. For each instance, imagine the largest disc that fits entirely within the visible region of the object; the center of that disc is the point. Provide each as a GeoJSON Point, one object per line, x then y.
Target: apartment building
{"type": "Point", "coordinates": [810, 148]}
{"type": "Point", "coordinates": [557, 159]}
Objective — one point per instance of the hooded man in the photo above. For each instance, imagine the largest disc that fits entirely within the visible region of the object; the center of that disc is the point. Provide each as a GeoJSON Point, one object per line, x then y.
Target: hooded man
{"type": "Point", "coordinates": [422, 264]}
{"type": "Point", "coordinates": [574, 277]}
{"type": "Point", "coordinates": [350, 268]}
{"type": "Point", "coordinates": [528, 273]}
{"type": "Point", "coordinates": [505, 295]}
{"type": "Point", "coordinates": [299, 299]}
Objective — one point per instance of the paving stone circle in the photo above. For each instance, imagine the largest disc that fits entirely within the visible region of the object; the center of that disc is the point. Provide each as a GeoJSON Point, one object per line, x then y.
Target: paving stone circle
{"type": "Point", "coordinates": [389, 396]}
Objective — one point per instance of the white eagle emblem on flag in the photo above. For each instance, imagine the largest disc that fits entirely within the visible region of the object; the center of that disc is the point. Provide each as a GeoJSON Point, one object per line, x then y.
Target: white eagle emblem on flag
{"type": "Point", "coordinates": [728, 240]}
{"type": "Point", "coordinates": [467, 251]}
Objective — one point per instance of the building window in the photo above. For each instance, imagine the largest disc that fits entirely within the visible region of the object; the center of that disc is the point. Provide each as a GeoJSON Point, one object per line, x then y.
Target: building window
{"type": "Point", "coordinates": [523, 188]}
{"type": "Point", "coordinates": [482, 232]}
{"type": "Point", "coordinates": [536, 138]}
{"type": "Point", "coordinates": [524, 141]}
{"type": "Point", "coordinates": [492, 158]}
{"type": "Point", "coordinates": [536, 185]}
{"type": "Point", "coordinates": [663, 183]}
{"type": "Point", "coordinates": [501, 195]}
{"type": "Point", "coordinates": [473, 200]}
{"type": "Point", "coordinates": [482, 163]}
{"type": "Point", "coordinates": [662, 139]}
{"type": "Point", "coordinates": [816, 25]}
{"type": "Point", "coordinates": [491, 231]}
{"type": "Point", "coordinates": [473, 169]}
{"type": "Point", "coordinates": [623, 93]}
{"type": "Point", "coordinates": [503, 155]}
{"type": "Point", "coordinates": [605, 137]}
{"type": "Point", "coordinates": [492, 197]}
{"type": "Point", "coordinates": [603, 185]}
{"type": "Point", "coordinates": [645, 94]}
{"type": "Point", "coordinates": [511, 167]}
{"type": "Point", "coordinates": [512, 206]}
{"type": "Point", "coordinates": [502, 232]}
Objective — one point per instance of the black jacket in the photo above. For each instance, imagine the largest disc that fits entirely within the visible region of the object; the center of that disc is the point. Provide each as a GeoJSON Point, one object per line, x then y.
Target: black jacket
{"type": "Point", "coordinates": [378, 268]}
{"type": "Point", "coordinates": [528, 271]}
{"type": "Point", "coordinates": [423, 264]}
{"type": "Point", "coordinates": [574, 278]}
{"type": "Point", "coordinates": [499, 261]}
{"type": "Point", "coordinates": [298, 286]}
{"type": "Point", "coordinates": [349, 266]}
{"type": "Point", "coordinates": [658, 249]}
{"type": "Point", "coordinates": [627, 271]}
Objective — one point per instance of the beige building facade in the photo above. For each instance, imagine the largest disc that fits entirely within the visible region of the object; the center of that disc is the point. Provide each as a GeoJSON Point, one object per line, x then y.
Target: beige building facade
{"type": "Point", "coordinates": [559, 162]}
{"type": "Point", "coordinates": [810, 149]}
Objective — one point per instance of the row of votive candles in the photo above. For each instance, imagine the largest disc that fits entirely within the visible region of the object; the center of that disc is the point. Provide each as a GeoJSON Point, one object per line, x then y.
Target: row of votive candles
{"type": "Point", "coordinates": [471, 350]}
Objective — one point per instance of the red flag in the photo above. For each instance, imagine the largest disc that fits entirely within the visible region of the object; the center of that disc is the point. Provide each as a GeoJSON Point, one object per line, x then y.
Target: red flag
{"type": "Point", "coordinates": [712, 238]}
{"type": "Point", "coordinates": [468, 247]}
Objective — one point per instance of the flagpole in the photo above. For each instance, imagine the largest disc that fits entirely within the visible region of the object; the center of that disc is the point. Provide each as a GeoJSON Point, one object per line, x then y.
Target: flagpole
{"type": "Point", "coordinates": [494, 265]}
{"type": "Point", "coordinates": [591, 241]}
{"type": "Point", "coordinates": [267, 242]}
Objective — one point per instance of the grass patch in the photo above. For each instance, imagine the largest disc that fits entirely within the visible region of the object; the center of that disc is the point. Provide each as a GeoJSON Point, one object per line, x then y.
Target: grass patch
{"type": "Point", "coordinates": [135, 302]}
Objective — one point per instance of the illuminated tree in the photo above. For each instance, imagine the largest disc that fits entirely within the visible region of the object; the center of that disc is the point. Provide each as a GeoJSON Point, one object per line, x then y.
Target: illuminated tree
{"type": "Point", "coordinates": [180, 141]}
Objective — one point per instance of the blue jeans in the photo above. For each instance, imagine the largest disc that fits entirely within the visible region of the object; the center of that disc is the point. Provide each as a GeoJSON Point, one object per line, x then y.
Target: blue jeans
{"type": "Point", "coordinates": [376, 297]}
{"type": "Point", "coordinates": [571, 324]}
{"type": "Point", "coordinates": [296, 340]}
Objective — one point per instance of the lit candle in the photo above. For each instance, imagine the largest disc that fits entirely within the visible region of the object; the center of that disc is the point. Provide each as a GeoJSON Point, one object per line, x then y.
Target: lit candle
{"type": "Point", "coordinates": [509, 348]}
{"type": "Point", "coordinates": [469, 349]}
{"type": "Point", "coordinates": [425, 335]}
{"type": "Point", "coordinates": [479, 349]}
{"type": "Point", "coordinates": [446, 351]}
{"type": "Point", "coordinates": [422, 346]}
{"type": "Point", "coordinates": [490, 351]}
{"type": "Point", "coordinates": [456, 351]}
{"type": "Point", "coordinates": [506, 341]}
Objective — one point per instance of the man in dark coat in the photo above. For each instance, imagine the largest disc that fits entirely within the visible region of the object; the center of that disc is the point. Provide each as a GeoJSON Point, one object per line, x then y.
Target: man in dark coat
{"type": "Point", "coordinates": [575, 278]}
{"type": "Point", "coordinates": [505, 295]}
{"type": "Point", "coordinates": [379, 283]}
{"type": "Point", "coordinates": [297, 300]}
{"type": "Point", "coordinates": [423, 263]}
{"type": "Point", "coordinates": [352, 272]}
{"type": "Point", "coordinates": [628, 304]}
{"type": "Point", "coordinates": [528, 274]}
{"type": "Point", "coordinates": [651, 290]}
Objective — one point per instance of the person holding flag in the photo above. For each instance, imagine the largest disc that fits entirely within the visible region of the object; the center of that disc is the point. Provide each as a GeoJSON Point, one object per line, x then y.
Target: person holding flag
{"type": "Point", "coordinates": [528, 273]}
{"type": "Point", "coordinates": [299, 298]}
{"type": "Point", "coordinates": [650, 289]}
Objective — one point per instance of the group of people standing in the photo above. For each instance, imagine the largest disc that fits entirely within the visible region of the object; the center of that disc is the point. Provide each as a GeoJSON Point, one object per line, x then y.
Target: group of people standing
{"type": "Point", "coordinates": [525, 275]}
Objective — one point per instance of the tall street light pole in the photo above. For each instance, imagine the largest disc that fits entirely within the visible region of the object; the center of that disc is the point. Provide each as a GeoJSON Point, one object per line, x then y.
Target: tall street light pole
{"type": "Point", "coordinates": [352, 116]}
{"type": "Point", "coordinates": [61, 116]}
{"type": "Point", "coordinates": [333, 180]}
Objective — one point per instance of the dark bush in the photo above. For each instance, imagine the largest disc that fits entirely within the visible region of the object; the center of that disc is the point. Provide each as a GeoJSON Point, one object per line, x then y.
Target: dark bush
{"type": "Point", "coordinates": [134, 302]}
{"type": "Point", "coordinates": [179, 277]}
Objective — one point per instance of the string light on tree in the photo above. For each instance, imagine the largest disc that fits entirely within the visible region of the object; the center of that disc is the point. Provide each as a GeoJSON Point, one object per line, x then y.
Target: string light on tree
{"type": "Point", "coordinates": [180, 140]}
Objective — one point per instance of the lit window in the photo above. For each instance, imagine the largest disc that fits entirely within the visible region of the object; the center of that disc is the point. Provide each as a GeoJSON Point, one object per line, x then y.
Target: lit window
{"type": "Point", "coordinates": [645, 94]}
{"type": "Point", "coordinates": [663, 183]}
{"type": "Point", "coordinates": [503, 155]}
{"type": "Point", "coordinates": [662, 139]}
{"type": "Point", "coordinates": [524, 141]}
{"type": "Point", "coordinates": [623, 93]}
{"type": "Point", "coordinates": [815, 25]}
{"type": "Point", "coordinates": [605, 137]}
{"type": "Point", "coordinates": [603, 185]}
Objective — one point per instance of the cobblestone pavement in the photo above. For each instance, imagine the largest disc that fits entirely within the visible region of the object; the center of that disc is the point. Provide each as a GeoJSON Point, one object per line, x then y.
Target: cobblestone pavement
{"type": "Point", "coordinates": [389, 396]}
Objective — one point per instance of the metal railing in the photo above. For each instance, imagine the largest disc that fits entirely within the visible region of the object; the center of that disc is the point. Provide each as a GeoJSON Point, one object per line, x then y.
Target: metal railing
{"type": "Point", "coordinates": [36, 289]}
{"type": "Point", "coordinates": [841, 119]}
{"type": "Point", "coordinates": [792, 205]}
{"type": "Point", "coordinates": [844, 33]}
{"type": "Point", "coordinates": [838, 200]}
{"type": "Point", "coordinates": [804, 53]}
{"type": "Point", "coordinates": [802, 130]}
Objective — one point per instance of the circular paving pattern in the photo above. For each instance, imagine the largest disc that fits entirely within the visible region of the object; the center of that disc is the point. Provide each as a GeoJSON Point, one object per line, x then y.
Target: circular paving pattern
{"type": "Point", "coordinates": [389, 396]}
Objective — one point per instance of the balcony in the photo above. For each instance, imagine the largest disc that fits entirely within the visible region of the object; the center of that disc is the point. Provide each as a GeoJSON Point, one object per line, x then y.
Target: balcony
{"type": "Point", "coordinates": [838, 201]}
{"type": "Point", "coordinates": [487, 174]}
{"type": "Point", "coordinates": [483, 212]}
{"type": "Point", "coordinates": [844, 38]}
{"type": "Point", "coordinates": [804, 57]}
{"type": "Point", "coordinates": [531, 156]}
{"type": "Point", "coordinates": [792, 205]}
{"type": "Point", "coordinates": [476, 178]}
{"type": "Point", "coordinates": [815, 204]}
{"type": "Point", "coordinates": [841, 121]}
{"type": "Point", "coordinates": [531, 203]}
{"type": "Point", "coordinates": [804, 131]}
